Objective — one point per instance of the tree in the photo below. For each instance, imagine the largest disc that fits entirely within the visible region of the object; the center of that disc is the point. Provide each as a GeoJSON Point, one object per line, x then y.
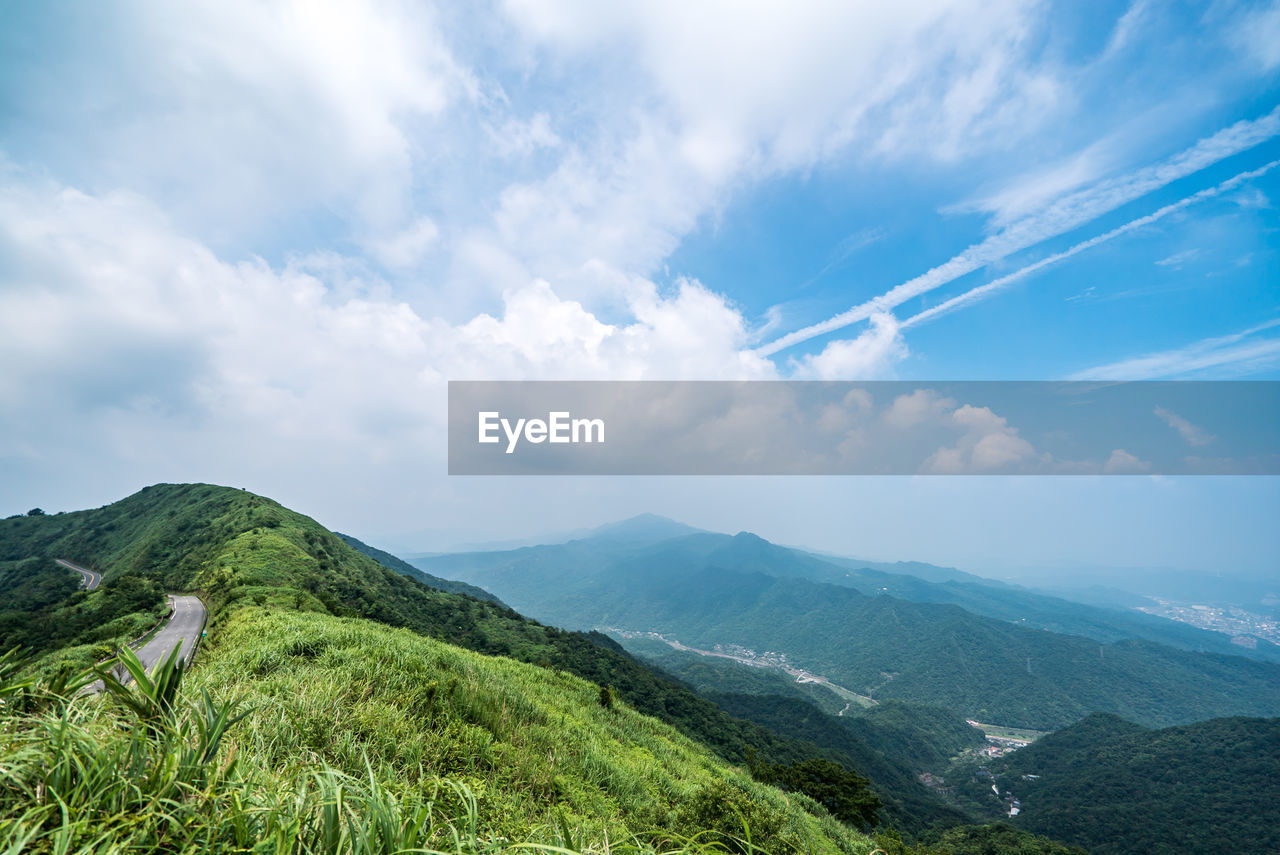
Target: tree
{"type": "Point", "coordinates": [35, 512]}
{"type": "Point", "coordinates": [846, 794]}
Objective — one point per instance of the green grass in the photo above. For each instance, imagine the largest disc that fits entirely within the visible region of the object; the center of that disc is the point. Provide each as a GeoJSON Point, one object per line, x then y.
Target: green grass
{"type": "Point", "coordinates": [240, 549]}
{"type": "Point", "coordinates": [534, 745]}
{"type": "Point", "coordinates": [309, 733]}
{"type": "Point", "coordinates": [371, 728]}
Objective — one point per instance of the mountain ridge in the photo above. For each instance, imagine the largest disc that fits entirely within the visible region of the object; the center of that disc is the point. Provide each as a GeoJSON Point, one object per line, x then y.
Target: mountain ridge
{"type": "Point", "coordinates": [710, 589]}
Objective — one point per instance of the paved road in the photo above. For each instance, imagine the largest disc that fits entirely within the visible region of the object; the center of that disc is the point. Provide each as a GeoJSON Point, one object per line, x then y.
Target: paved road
{"type": "Point", "coordinates": [91, 579]}
{"type": "Point", "coordinates": [186, 625]}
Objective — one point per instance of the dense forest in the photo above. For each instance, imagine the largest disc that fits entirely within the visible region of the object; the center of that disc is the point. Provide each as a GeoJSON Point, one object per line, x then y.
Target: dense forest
{"type": "Point", "coordinates": [42, 606]}
{"type": "Point", "coordinates": [1116, 787]}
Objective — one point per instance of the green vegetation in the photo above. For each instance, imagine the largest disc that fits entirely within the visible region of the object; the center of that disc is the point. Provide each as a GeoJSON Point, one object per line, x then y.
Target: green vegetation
{"type": "Point", "coordinates": [709, 589]}
{"type": "Point", "coordinates": [1116, 787]}
{"type": "Point", "coordinates": [344, 705]}
{"type": "Point", "coordinates": [977, 840]}
{"type": "Point", "coordinates": [908, 804]}
{"type": "Point", "coordinates": [155, 767]}
{"type": "Point", "coordinates": [43, 609]}
{"type": "Point", "coordinates": [915, 736]}
{"type": "Point", "coordinates": [921, 737]}
{"type": "Point", "coordinates": [534, 745]}
{"type": "Point", "coordinates": [391, 562]}
{"type": "Point", "coordinates": [340, 705]}
{"type": "Point", "coordinates": [1029, 608]}
{"type": "Point", "coordinates": [847, 795]}
{"type": "Point", "coordinates": [241, 549]}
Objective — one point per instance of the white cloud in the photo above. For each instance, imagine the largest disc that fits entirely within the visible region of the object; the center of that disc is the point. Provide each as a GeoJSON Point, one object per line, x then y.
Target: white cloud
{"type": "Point", "coordinates": [521, 138]}
{"type": "Point", "coordinates": [981, 292]}
{"type": "Point", "coordinates": [785, 85]}
{"type": "Point", "coordinates": [1178, 258]}
{"type": "Point", "coordinates": [1222, 355]}
{"type": "Point", "coordinates": [920, 407]}
{"type": "Point", "coordinates": [120, 334]}
{"type": "Point", "coordinates": [408, 247]}
{"type": "Point", "coordinates": [871, 355]}
{"type": "Point", "coordinates": [239, 113]}
{"type": "Point", "coordinates": [688, 109]}
{"type": "Point", "coordinates": [1122, 462]}
{"type": "Point", "coordinates": [1064, 214]}
{"type": "Point", "coordinates": [1252, 199]}
{"type": "Point", "coordinates": [1258, 33]}
{"type": "Point", "coordinates": [988, 445]}
{"type": "Point", "coordinates": [1191, 434]}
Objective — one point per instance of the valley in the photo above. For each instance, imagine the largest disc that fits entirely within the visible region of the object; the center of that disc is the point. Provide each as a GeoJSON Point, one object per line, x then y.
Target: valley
{"type": "Point", "coordinates": [704, 588]}
{"type": "Point", "coordinates": [747, 656]}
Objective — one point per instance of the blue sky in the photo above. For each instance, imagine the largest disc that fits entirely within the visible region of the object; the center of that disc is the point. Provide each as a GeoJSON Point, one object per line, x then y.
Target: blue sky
{"type": "Point", "coordinates": [237, 239]}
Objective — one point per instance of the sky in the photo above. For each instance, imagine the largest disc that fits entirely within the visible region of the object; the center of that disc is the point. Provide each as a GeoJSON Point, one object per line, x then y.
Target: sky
{"type": "Point", "coordinates": [249, 243]}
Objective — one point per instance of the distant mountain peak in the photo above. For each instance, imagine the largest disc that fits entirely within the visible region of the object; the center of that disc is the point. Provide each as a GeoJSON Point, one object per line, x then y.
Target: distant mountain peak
{"type": "Point", "coordinates": [642, 528]}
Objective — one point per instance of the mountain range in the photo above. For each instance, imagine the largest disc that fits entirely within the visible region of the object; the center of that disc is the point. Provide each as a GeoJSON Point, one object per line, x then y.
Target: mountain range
{"type": "Point", "coordinates": [989, 652]}
{"type": "Point", "coordinates": [359, 698]}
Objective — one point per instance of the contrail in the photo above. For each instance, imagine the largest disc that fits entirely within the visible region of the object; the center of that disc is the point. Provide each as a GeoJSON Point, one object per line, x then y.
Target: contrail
{"type": "Point", "coordinates": [1062, 216]}
{"type": "Point", "coordinates": [983, 291]}
{"type": "Point", "coordinates": [1206, 353]}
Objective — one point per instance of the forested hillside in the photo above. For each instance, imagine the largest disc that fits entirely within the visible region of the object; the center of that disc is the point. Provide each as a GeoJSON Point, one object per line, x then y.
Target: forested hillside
{"type": "Point", "coordinates": [391, 562]}
{"type": "Point", "coordinates": [705, 590]}
{"type": "Point", "coordinates": [1116, 787]}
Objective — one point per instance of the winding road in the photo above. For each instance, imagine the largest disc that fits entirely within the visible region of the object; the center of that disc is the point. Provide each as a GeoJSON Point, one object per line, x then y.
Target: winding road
{"type": "Point", "coordinates": [185, 625]}
{"type": "Point", "coordinates": [91, 579]}
{"type": "Point", "coordinates": [187, 616]}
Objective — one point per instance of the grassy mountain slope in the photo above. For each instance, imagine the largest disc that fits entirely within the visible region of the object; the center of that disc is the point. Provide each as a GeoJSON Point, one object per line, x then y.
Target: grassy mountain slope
{"type": "Point", "coordinates": [533, 744]}
{"type": "Point", "coordinates": [391, 562]}
{"type": "Point", "coordinates": [241, 549]}
{"type": "Point", "coordinates": [361, 738]}
{"type": "Point", "coordinates": [697, 589]}
{"type": "Point", "coordinates": [1115, 787]}
{"type": "Point", "coordinates": [273, 577]}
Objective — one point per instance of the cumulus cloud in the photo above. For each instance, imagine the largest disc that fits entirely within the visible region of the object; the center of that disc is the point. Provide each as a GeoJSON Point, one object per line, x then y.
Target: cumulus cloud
{"type": "Point", "coordinates": [1122, 462]}
{"type": "Point", "coordinates": [988, 445]}
{"type": "Point", "coordinates": [113, 324]}
{"type": "Point", "coordinates": [920, 407]}
{"type": "Point", "coordinates": [872, 354]}
{"type": "Point", "coordinates": [236, 115]}
{"type": "Point", "coordinates": [559, 137]}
